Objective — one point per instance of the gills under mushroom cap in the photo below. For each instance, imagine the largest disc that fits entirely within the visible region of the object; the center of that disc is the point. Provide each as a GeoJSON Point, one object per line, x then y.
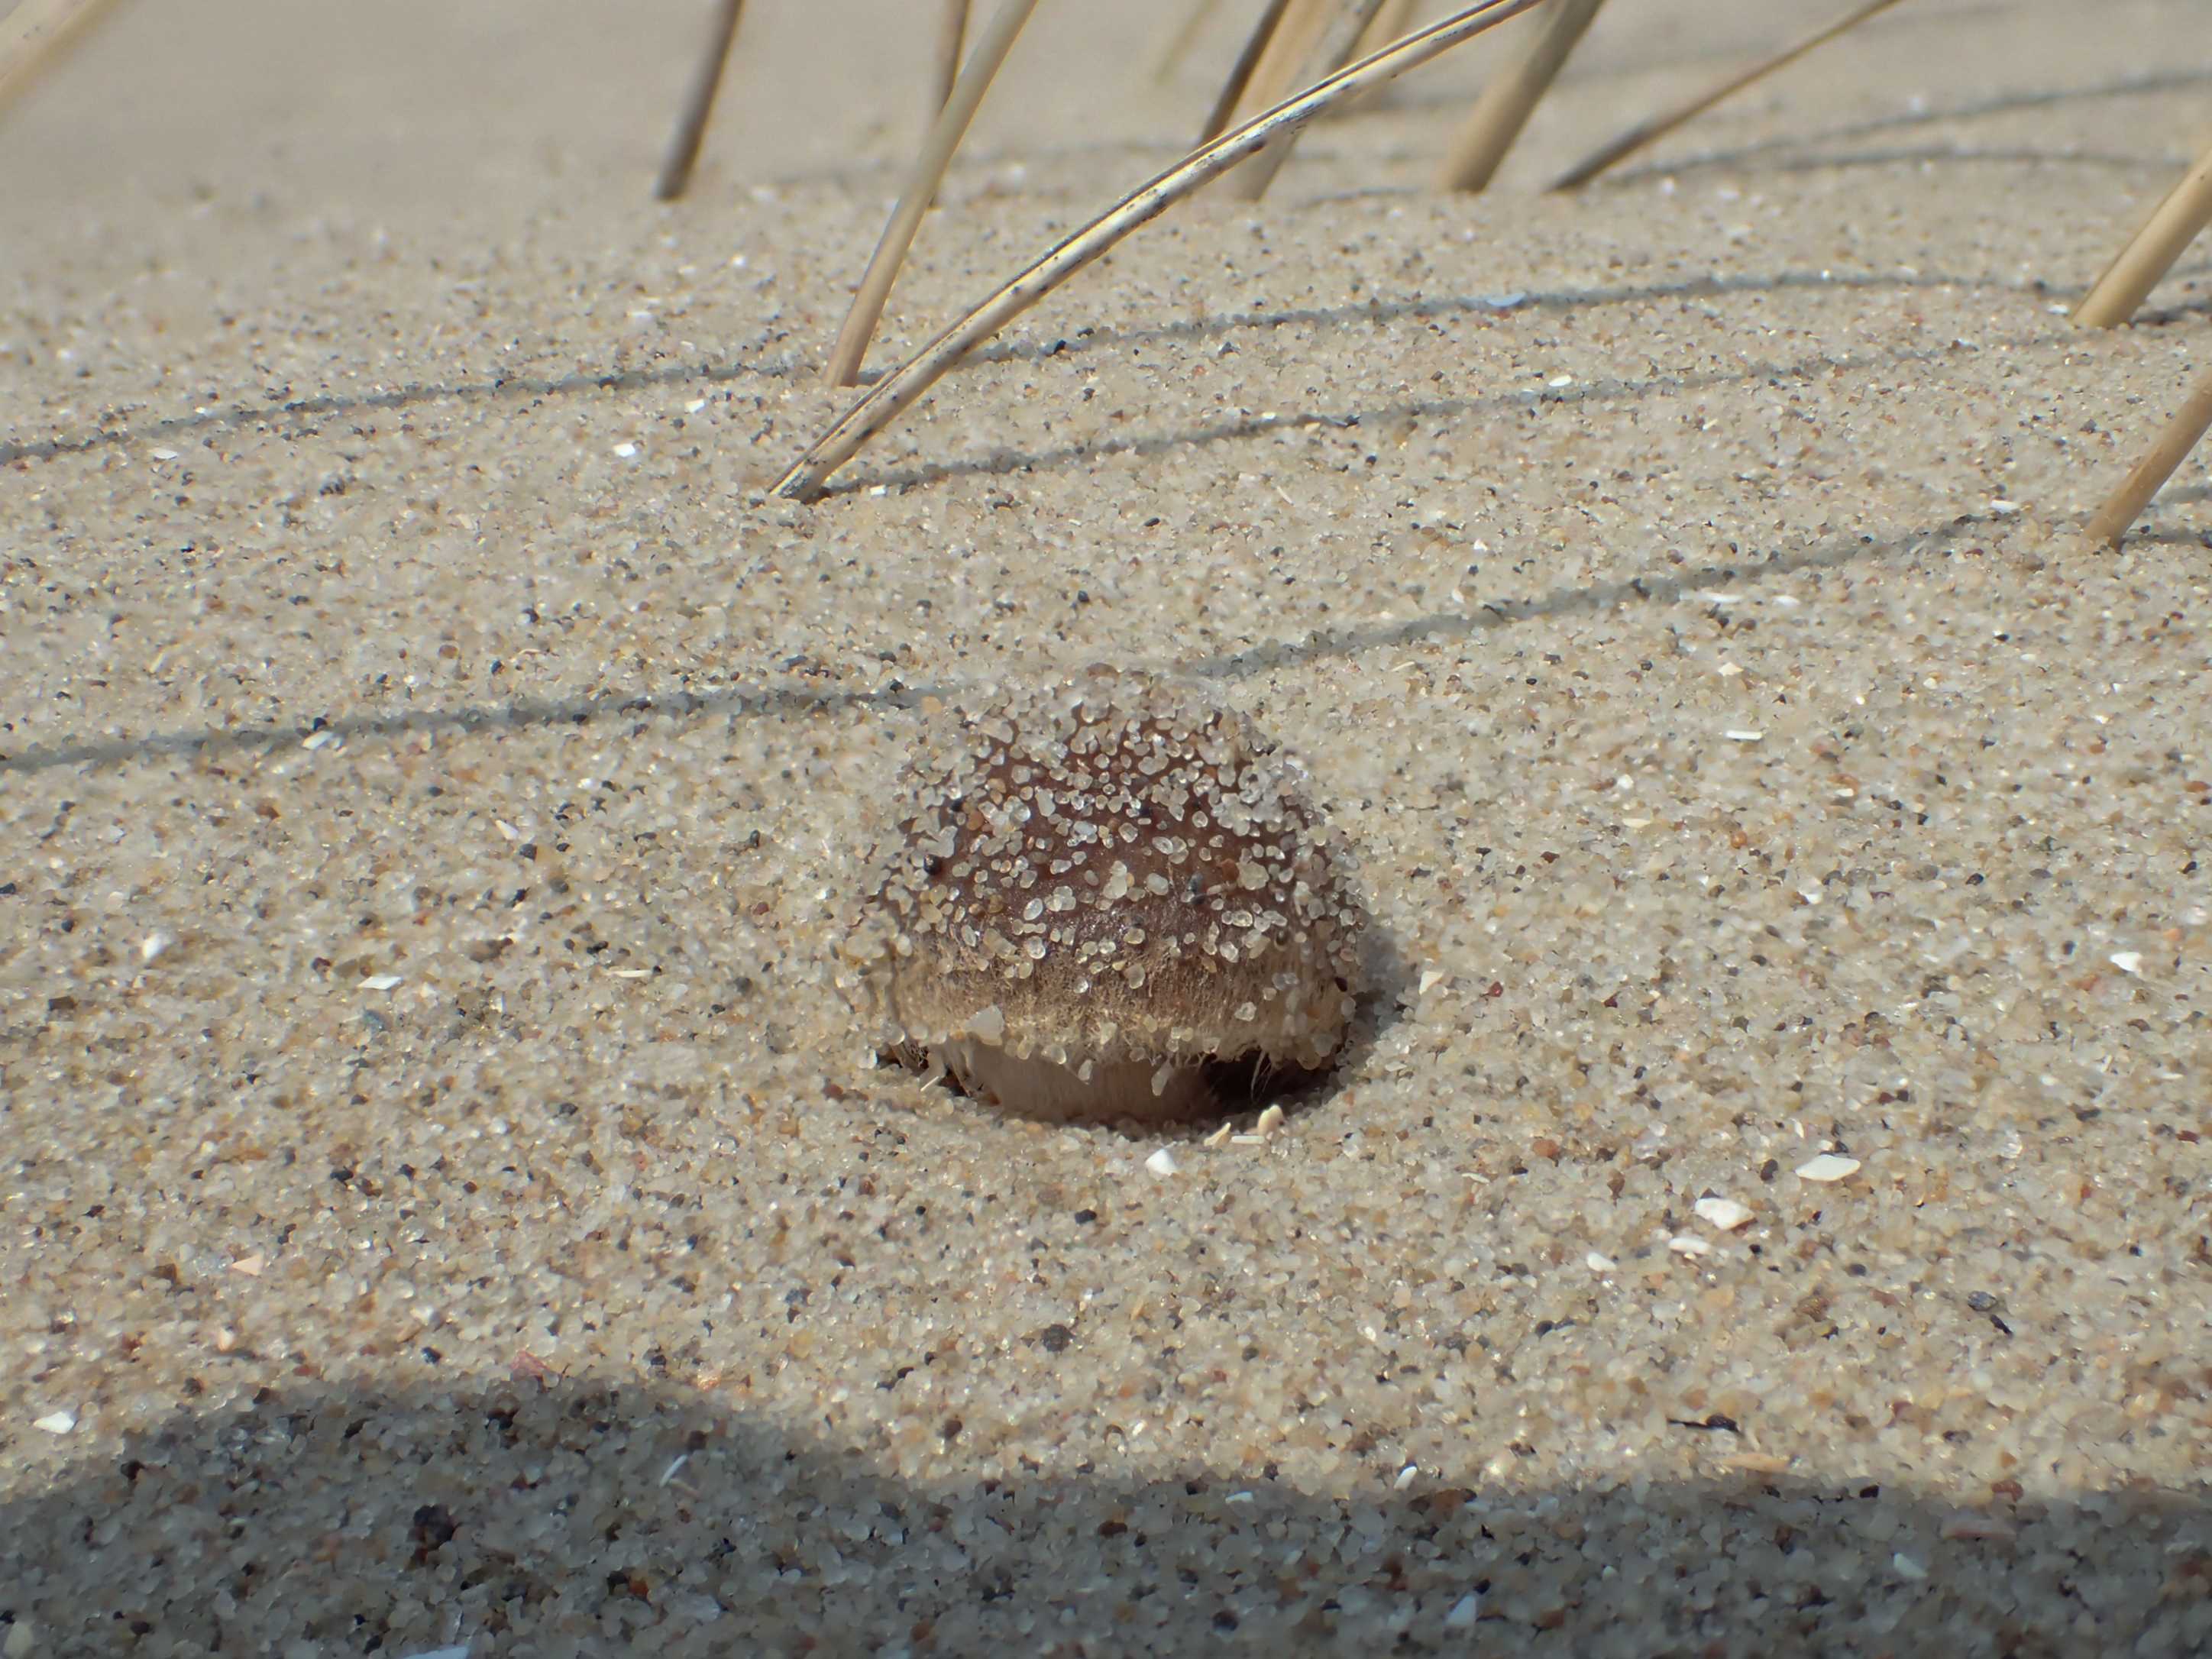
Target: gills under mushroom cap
{"type": "Point", "coordinates": [1097, 883]}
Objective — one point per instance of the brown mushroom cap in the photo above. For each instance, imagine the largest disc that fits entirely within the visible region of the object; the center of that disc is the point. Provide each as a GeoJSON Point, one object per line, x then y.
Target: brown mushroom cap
{"type": "Point", "coordinates": [1096, 883]}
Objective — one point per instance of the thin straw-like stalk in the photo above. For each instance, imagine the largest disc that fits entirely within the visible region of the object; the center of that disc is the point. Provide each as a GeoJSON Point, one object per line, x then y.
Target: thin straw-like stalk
{"type": "Point", "coordinates": [1390, 24]}
{"type": "Point", "coordinates": [2150, 253]}
{"type": "Point", "coordinates": [1240, 77]}
{"type": "Point", "coordinates": [1180, 43]}
{"type": "Point", "coordinates": [1507, 103]}
{"type": "Point", "coordinates": [951, 36]}
{"type": "Point", "coordinates": [33, 33]}
{"type": "Point", "coordinates": [1288, 46]}
{"type": "Point", "coordinates": [2171, 448]}
{"type": "Point", "coordinates": [1660, 126]}
{"type": "Point", "coordinates": [1332, 50]}
{"type": "Point", "coordinates": [844, 368]}
{"type": "Point", "coordinates": [698, 103]}
{"type": "Point", "coordinates": [899, 390]}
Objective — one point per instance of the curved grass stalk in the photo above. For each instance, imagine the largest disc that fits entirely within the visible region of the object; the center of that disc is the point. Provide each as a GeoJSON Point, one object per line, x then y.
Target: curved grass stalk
{"type": "Point", "coordinates": [898, 391]}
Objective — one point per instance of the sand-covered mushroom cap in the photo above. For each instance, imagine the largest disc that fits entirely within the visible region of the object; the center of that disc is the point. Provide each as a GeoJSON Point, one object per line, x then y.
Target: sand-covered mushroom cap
{"type": "Point", "coordinates": [1096, 883]}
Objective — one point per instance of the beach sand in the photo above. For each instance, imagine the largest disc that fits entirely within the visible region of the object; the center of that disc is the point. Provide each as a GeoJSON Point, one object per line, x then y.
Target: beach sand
{"type": "Point", "coordinates": [447, 1198]}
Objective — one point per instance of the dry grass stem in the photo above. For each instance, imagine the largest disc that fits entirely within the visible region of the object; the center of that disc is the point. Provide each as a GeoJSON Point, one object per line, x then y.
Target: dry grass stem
{"type": "Point", "coordinates": [997, 39]}
{"type": "Point", "coordinates": [1390, 24]}
{"type": "Point", "coordinates": [1180, 43]}
{"type": "Point", "coordinates": [1240, 76]}
{"type": "Point", "coordinates": [899, 390]}
{"type": "Point", "coordinates": [2150, 253]}
{"type": "Point", "coordinates": [1332, 49]}
{"type": "Point", "coordinates": [682, 152]}
{"type": "Point", "coordinates": [1659, 126]}
{"type": "Point", "coordinates": [33, 33]}
{"type": "Point", "coordinates": [1289, 45]}
{"type": "Point", "coordinates": [1508, 102]}
{"type": "Point", "coordinates": [2173, 447]}
{"type": "Point", "coordinates": [951, 36]}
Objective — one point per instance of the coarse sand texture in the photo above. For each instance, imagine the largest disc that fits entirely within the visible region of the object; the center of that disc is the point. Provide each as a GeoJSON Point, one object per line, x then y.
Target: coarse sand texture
{"type": "Point", "coordinates": [1750, 1194]}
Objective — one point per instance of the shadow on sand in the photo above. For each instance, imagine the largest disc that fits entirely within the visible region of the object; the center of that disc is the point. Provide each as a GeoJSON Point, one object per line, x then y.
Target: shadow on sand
{"type": "Point", "coordinates": [552, 1517]}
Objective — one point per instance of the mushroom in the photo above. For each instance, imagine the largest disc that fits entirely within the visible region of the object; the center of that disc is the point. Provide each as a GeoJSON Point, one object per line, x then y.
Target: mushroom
{"type": "Point", "coordinates": [1098, 884]}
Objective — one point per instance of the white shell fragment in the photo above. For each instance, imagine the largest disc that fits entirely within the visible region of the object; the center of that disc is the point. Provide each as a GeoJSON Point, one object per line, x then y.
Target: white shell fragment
{"type": "Point", "coordinates": [1271, 1120]}
{"type": "Point", "coordinates": [57, 1422]}
{"type": "Point", "coordinates": [1724, 1214]}
{"type": "Point", "coordinates": [1907, 1567]}
{"type": "Point", "coordinates": [1829, 1166]}
{"type": "Point", "coordinates": [1599, 1264]}
{"type": "Point", "coordinates": [2127, 961]}
{"type": "Point", "coordinates": [1464, 1612]}
{"type": "Point", "coordinates": [151, 947]}
{"type": "Point", "coordinates": [381, 982]}
{"type": "Point", "coordinates": [1161, 1162]}
{"type": "Point", "coordinates": [1406, 1476]}
{"type": "Point", "coordinates": [1688, 1246]}
{"type": "Point", "coordinates": [1736, 734]}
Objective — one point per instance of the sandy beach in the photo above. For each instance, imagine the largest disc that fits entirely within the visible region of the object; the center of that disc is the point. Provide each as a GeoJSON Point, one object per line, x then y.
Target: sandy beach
{"type": "Point", "coordinates": [1764, 1205]}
